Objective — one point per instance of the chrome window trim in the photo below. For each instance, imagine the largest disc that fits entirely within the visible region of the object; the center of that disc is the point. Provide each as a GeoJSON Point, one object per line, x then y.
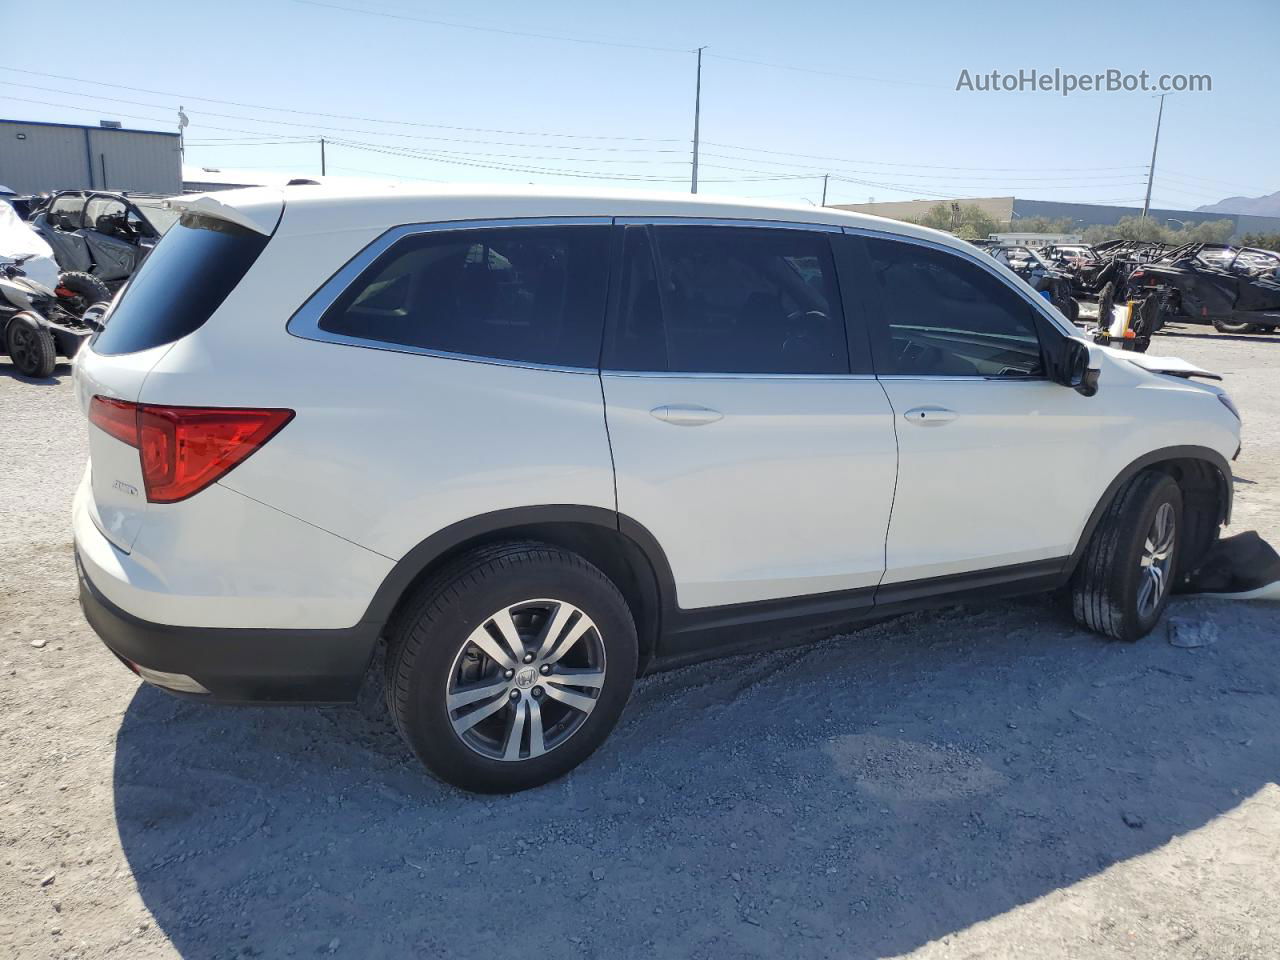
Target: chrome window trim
{"type": "Point", "coordinates": [678, 221]}
{"type": "Point", "coordinates": [673, 375]}
{"type": "Point", "coordinates": [305, 322]}
{"type": "Point", "coordinates": [981, 260]}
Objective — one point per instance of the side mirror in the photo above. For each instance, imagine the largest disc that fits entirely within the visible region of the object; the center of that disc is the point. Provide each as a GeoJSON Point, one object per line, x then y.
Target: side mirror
{"type": "Point", "coordinates": [1080, 376]}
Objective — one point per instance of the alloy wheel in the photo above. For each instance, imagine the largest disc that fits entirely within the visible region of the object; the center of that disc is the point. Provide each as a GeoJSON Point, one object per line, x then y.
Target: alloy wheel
{"type": "Point", "coordinates": [526, 680]}
{"type": "Point", "coordinates": [1157, 560]}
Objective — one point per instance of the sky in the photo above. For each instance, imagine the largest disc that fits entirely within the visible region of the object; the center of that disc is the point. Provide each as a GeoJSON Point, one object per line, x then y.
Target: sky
{"type": "Point", "coordinates": [568, 93]}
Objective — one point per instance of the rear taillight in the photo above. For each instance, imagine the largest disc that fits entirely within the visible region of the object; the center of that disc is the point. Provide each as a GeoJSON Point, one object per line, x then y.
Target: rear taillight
{"type": "Point", "coordinates": [184, 449]}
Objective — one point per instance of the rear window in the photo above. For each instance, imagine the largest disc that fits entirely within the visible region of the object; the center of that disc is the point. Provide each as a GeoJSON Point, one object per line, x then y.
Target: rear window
{"type": "Point", "coordinates": [181, 283]}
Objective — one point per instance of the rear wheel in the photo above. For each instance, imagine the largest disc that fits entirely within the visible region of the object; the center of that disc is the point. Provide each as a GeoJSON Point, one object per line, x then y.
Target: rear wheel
{"type": "Point", "coordinates": [510, 667]}
{"type": "Point", "coordinates": [30, 346]}
{"type": "Point", "coordinates": [1123, 581]}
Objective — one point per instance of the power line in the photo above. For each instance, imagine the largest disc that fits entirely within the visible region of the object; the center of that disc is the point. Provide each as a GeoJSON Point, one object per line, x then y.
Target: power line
{"type": "Point", "coordinates": [379, 133]}
{"type": "Point", "coordinates": [1221, 183]}
{"type": "Point", "coordinates": [577, 174]}
{"type": "Point", "coordinates": [918, 166]}
{"type": "Point", "coordinates": [819, 72]}
{"type": "Point", "coordinates": [506, 32]}
{"type": "Point", "coordinates": [331, 116]}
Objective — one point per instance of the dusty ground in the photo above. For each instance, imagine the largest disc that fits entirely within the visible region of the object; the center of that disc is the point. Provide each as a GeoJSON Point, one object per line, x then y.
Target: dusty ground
{"type": "Point", "coordinates": [977, 782]}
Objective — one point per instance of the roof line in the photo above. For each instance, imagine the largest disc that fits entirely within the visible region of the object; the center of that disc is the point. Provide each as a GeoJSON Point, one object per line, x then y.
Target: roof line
{"type": "Point", "coordinates": [86, 126]}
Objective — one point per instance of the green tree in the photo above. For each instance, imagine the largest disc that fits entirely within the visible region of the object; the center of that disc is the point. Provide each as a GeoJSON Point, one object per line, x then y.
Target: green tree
{"type": "Point", "coordinates": [1267, 241]}
{"type": "Point", "coordinates": [1152, 230]}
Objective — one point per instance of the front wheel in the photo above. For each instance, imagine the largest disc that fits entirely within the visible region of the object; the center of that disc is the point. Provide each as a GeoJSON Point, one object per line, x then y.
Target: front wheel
{"type": "Point", "coordinates": [510, 667]}
{"type": "Point", "coordinates": [30, 346]}
{"type": "Point", "coordinates": [1123, 581]}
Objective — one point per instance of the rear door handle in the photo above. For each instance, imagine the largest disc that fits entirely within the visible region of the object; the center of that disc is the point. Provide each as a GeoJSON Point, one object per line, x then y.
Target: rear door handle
{"type": "Point", "coordinates": [686, 415]}
{"type": "Point", "coordinates": [930, 416]}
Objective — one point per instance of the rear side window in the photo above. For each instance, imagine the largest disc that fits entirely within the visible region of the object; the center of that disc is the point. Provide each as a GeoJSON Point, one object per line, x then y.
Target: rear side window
{"type": "Point", "coordinates": [181, 283]}
{"type": "Point", "coordinates": [711, 299]}
{"type": "Point", "coordinates": [946, 317]}
{"type": "Point", "coordinates": [527, 294]}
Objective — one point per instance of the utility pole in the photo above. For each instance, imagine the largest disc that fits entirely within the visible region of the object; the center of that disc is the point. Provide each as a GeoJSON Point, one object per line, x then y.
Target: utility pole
{"type": "Point", "coordinates": [697, 115]}
{"type": "Point", "coordinates": [824, 188]}
{"type": "Point", "coordinates": [322, 169]}
{"type": "Point", "coordinates": [1151, 171]}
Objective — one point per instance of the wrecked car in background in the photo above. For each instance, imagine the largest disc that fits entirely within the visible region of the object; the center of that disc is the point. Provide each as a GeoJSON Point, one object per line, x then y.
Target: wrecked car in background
{"type": "Point", "coordinates": [1054, 284]}
{"type": "Point", "coordinates": [1237, 289]}
{"type": "Point", "coordinates": [102, 233]}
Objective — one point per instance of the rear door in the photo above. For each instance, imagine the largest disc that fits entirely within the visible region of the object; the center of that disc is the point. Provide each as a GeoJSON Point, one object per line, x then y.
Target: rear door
{"type": "Point", "coordinates": [744, 438]}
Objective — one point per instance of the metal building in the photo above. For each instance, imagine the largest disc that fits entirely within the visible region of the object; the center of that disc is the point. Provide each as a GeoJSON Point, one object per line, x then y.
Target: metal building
{"type": "Point", "coordinates": [43, 157]}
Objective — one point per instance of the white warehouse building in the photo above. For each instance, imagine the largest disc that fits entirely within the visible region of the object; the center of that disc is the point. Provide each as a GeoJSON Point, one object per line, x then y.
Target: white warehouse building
{"type": "Point", "coordinates": [40, 157]}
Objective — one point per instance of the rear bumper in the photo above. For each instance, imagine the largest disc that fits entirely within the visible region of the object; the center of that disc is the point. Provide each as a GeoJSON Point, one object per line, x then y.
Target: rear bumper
{"type": "Point", "coordinates": [237, 665]}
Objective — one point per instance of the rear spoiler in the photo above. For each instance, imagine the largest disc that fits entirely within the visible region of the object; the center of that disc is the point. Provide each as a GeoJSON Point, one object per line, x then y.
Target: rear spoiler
{"type": "Point", "coordinates": [256, 209]}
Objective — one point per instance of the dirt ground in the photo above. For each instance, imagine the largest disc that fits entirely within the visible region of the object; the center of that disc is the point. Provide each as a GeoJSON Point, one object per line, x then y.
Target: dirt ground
{"type": "Point", "coordinates": [975, 782]}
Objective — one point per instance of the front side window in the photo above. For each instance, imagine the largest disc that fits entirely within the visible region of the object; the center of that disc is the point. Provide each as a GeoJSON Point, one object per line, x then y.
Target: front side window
{"type": "Point", "coordinates": [945, 316]}
{"type": "Point", "coordinates": [532, 294]}
{"type": "Point", "coordinates": [713, 299]}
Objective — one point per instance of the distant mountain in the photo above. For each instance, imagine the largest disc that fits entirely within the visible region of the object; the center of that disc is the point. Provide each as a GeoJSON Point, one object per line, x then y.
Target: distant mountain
{"type": "Point", "coordinates": [1268, 206]}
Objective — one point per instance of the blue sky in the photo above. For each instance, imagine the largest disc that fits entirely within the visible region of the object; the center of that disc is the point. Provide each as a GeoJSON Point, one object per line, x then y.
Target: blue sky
{"type": "Point", "coordinates": [874, 102]}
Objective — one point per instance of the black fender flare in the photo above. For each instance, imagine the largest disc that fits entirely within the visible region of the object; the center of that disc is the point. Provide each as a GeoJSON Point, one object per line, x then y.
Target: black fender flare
{"type": "Point", "coordinates": [498, 522]}
{"type": "Point", "coordinates": [1210, 456]}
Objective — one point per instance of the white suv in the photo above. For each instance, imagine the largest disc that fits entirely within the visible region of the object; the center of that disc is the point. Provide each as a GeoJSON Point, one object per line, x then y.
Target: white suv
{"type": "Point", "coordinates": [540, 443]}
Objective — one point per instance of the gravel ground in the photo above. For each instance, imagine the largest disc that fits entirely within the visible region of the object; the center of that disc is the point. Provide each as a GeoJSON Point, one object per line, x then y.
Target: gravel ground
{"type": "Point", "coordinates": [975, 782]}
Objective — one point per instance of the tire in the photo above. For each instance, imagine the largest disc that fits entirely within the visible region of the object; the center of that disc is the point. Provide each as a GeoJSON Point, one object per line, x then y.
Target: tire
{"type": "Point", "coordinates": [1106, 300]}
{"type": "Point", "coordinates": [1073, 310]}
{"type": "Point", "coordinates": [1107, 589]}
{"type": "Point", "coordinates": [1222, 326]}
{"type": "Point", "coordinates": [442, 645]}
{"type": "Point", "coordinates": [87, 289]}
{"type": "Point", "coordinates": [30, 346]}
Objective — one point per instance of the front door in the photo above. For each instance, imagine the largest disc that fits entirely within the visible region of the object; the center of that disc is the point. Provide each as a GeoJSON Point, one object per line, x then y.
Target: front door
{"type": "Point", "coordinates": [997, 463]}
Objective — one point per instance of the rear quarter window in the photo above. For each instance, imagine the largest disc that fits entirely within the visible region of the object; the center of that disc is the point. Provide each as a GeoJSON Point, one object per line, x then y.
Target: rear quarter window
{"type": "Point", "coordinates": [180, 285]}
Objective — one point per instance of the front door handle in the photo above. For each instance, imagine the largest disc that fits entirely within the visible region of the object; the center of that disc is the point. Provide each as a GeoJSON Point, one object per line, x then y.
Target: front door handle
{"type": "Point", "coordinates": [686, 415]}
{"type": "Point", "coordinates": [930, 416]}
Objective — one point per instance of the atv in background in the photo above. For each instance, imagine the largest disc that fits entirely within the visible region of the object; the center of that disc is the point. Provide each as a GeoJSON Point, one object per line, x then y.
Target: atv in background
{"type": "Point", "coordinates": [1092, 268]}
{"type": "Point", "coordinates": [38, 324]}
{"type": "Point", "coordinates": [1237, 289]}
{"type": "Point", "coordinates": [1054, 284]}
{"type": "Point", "coordinates": [104, 234]}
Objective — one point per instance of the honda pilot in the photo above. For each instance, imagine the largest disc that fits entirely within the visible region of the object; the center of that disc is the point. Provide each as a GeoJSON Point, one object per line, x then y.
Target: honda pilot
{"type": "Point", "coordinates": [538, 443]}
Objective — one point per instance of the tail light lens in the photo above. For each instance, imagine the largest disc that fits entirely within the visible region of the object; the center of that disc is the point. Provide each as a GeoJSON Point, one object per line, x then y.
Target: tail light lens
{"type": "Point", "coordinates": [184, 449]}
